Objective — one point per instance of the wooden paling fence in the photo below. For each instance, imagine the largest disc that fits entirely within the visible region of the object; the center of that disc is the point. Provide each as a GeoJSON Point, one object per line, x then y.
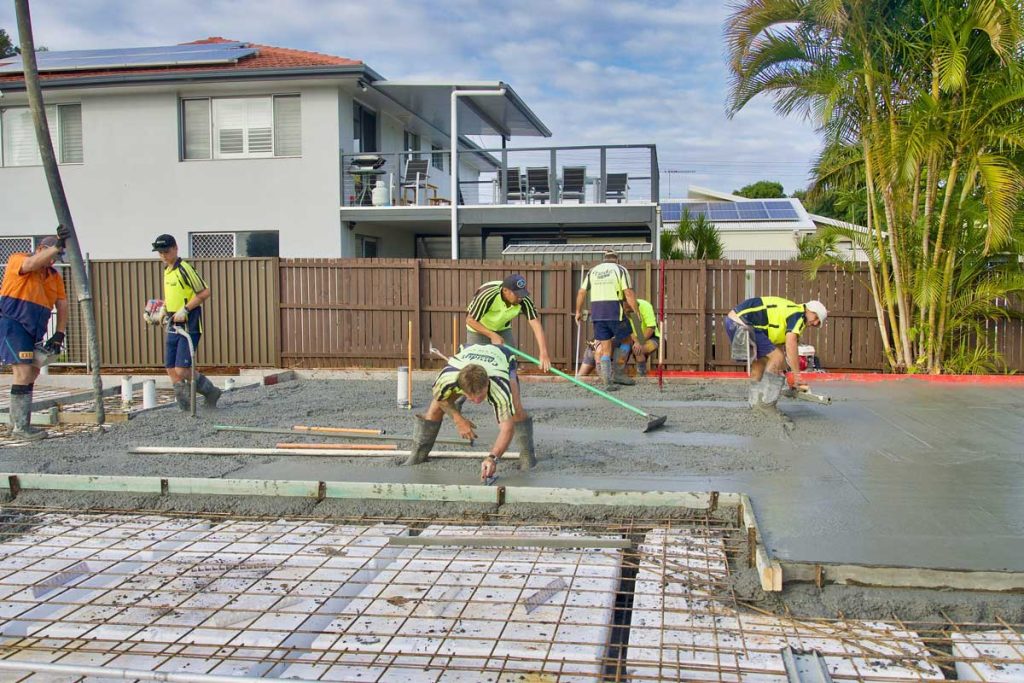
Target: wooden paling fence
{"type": "Point", "coordinates": [329, 313]}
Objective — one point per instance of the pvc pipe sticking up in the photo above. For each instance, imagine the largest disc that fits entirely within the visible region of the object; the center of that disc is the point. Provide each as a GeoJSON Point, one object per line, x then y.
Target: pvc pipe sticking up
{"type": "Point", "coordinates": [403, 386]}
{"type": "Point", "coordinates": [229, 384]}
{"type": "Point", "coordinates": [126, 391]}
{"type": "Point", "coordinates": [149, 394]}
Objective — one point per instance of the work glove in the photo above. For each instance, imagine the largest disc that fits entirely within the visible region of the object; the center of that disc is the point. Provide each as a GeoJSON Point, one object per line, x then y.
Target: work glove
{"type": "Point", "coordinates": [54, 344]}
{"type": "Point", "coordinates": [181, 315]}
{"type": "Point", "coordinates": [62, 236]}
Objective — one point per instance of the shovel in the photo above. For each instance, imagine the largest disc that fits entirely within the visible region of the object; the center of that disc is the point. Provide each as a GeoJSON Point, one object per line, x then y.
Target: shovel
{"type": "Point", "coordinates": [653, 421]}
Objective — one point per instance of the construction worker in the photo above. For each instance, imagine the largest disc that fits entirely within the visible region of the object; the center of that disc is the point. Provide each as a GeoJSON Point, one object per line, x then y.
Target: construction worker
{"type": "Point", "coordinates": [494, 306]}
{"type": "Point", "coordinates": [184, 295]}
{"type": "Point", "coordinates": [609, 285]}
{"type": "Point", "coordinates": [31, 288]}
{"type": "Point", "coordinates": [479, 372]}
{"type": "Point", "coordinates": [647, 338]}
{"type": "Point", "coordinates": [768, 323]}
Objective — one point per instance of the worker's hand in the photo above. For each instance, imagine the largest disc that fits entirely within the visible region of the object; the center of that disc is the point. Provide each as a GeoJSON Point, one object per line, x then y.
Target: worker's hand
{"type": "Point", "coordinates": [545, 362]}
{"type": "Point", "coordinates": [638, 349]}
{"type": "Point", "coordinates": [803, 387]}
{"type": "Point", "coordinates": [497, 339]}
{"type": "Point", "coordinates": [181, 315]}
{"type": "Point", "coordinates": [488, 467]}
{"type": "Point", "coordinates": [55, 343]}
{"type": "Point", "coordinates": [62, 236]}
{"type": "Point", "coordinates": [465, 428]}
{"type": "Point", "coordinates": [578, 317]}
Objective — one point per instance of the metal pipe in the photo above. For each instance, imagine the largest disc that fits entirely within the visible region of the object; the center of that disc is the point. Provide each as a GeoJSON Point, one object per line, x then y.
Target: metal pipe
{"type": "Point", "coordinates": [149, 394]}
{"type": "Point", "coordinates": [455, 156]}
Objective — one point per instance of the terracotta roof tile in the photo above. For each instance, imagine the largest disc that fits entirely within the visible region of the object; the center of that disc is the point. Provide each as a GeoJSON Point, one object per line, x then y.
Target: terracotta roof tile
{"type": "Point", "coordinates": [269, 57]}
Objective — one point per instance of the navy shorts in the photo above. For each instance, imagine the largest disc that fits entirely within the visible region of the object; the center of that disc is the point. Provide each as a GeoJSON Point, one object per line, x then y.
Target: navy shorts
{"type": "Point", "coordinates": [176, 350]}
{"type": "Point", "coordinates": [761, 341]}
{"type": "Point", "coordinates": [17, 345]}
{"type": "Point", "coordinates": [610, 329]}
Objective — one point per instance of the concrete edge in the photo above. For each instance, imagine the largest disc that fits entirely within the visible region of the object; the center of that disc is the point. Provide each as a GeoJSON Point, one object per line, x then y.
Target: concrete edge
{"type": "Point", "coordinates": [768, 570]}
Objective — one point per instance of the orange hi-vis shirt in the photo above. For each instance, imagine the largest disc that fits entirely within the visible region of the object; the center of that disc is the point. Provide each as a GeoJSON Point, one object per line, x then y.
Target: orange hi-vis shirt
{"type": "Point", "coordinates": [29, 297]}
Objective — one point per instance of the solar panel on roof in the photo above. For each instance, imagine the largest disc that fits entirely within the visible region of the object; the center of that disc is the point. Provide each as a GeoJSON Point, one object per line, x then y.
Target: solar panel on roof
{"type": "Point", "coordinates": [120, 58]}
{"type": "Point", "coordinates": [752, 211]}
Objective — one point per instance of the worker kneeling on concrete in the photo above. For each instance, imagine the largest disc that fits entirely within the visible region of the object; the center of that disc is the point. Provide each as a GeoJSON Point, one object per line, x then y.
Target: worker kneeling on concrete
{"type": "Point", "coordinates": [481, 372]}
{"type": "Point", "coordinates": [646, 339]}
{"type": "Point", "coordinates": [767, 323]}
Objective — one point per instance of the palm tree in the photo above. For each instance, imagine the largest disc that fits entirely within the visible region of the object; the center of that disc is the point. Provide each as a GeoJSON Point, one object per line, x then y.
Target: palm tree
{"type": "Point", "coordinates": [694, 238]}
{"type": "Point", "coordinates": [919, 104]}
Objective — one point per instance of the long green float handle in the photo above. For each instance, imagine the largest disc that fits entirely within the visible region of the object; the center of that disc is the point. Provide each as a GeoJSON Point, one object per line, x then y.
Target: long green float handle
{"type": "Point", "coordinates": [577, 382]}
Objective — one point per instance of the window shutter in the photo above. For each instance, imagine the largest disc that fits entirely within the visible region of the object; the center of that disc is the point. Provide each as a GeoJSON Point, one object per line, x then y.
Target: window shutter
{"type": "Point", "coordinates": [287, 126]}
{"type": "Point", "coordinates": [14, 245]}
{"type": "Point", "coordinates": [71, 151]}
{"type": "Point", "coordinates": [260, 123]}
{"type": "Point", "coordinates": [197, 128]}
{"type": "Point", "coordinates": [229, 126]}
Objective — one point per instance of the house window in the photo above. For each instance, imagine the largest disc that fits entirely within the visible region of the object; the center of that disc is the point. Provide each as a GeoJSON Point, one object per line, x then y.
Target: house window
{"type": "Point", "coordinates": [15, 245]}
{"type": "Point", "coordinates": [437, 157]}
{"type": "Point", "coordinates": [366, 247]}
{"type": "Point", "coordinates": [412, 144]}
{"type": "Point", "coordinates": [242, 127]}
{"type": "Point", "coordinates": [18, 135]}
{"type": "Point", "coordinates": [243, 243]}
{"type": "Point", "coordinates": [364, 129]}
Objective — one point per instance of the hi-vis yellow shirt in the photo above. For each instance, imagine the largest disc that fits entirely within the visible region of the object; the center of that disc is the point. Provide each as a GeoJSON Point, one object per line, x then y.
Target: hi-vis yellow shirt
{"type": "Point", "coordinates": [647, 319]}
{"type": "Point", "coordinates": [496, 361]}
{"type": "Point", "coordinates": [606, 283]}
{"type": "Point", "coordinates": [181, 283]}
{"type": "Point", "coordinates": [773, 314]}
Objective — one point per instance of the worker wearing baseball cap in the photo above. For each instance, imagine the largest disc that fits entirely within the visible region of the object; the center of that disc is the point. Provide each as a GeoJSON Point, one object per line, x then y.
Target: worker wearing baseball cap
{"type": "Point", "coordinates": [771, 322]}
{"type": "Point", "coordinates": [31, 288]}
{"type": "Point", "coordinates": [184, 295]}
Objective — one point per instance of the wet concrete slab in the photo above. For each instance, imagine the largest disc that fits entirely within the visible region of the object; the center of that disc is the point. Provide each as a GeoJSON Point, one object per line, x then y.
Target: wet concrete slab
{"type": "Point", "coordinates": [893, 473]}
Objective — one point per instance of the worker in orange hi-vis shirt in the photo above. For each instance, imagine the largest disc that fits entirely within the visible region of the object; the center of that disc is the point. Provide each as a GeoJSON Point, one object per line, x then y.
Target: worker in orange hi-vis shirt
{"type": "Point", "coordinates": [31, 288]}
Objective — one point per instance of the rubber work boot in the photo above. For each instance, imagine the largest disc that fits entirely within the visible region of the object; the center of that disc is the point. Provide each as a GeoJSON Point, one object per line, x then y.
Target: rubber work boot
{"type": "Point", "coordinates": [211, 394]}
{"type": "Point", "coordinates": [641, 368]}
{"type": "Point", "coordinates": [21, 419]}
{"type": "Point", "coordinates": [606, 374]}
{"type": "Point", "coordinates": [771, 388]}
{"type": "Point", "coordinates": [183, 395]}
{"type": "Point", "coordinates": [423, 436]}
{"type": "Point", "coordinates": [754, 394]}
{"type": "Point", "coordinates": [524, 441]}
{"type": "Point", "coordinates": [619, 375]}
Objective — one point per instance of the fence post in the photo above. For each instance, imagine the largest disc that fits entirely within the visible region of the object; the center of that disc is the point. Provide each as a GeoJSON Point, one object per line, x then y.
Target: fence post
{"type": "Point", "coordinates": [416, 315]}
{"type": "Point", "coordinates": [275, 267]}
{"type": "Point", "coordinates": [647, 275]}
{"type": "Point", "coordinates": [702, 315]}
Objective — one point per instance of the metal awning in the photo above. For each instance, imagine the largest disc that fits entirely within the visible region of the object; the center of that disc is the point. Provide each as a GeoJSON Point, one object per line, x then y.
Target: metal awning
{"type": "Point", "coordinates": [506, 116]}
{"type": "Point", "coordinates": [588, 249]}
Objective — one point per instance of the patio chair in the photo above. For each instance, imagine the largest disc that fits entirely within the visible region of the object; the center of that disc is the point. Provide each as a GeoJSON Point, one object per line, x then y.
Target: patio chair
{"type": "Point", "coordinates": [537, 183]}
{"type": "Point", "coordinates": [513, 184]}
{"type": "Point", "coordinates": [617, 187]}
{"type": "Point", "coordinates": [415, 178]}
{"type": "Point", "coordinates": [574, 182]}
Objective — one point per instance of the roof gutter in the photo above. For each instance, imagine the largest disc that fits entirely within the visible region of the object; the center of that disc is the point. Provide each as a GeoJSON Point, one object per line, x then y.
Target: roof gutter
{"type": "Point", "coordinates": [178, 77]}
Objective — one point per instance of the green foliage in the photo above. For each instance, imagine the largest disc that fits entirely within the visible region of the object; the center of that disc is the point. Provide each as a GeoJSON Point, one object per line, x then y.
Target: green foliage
{"type": "Point", "coordinates": [920, 104]}
{"type": "Point", "coordinates": [7, 48]}
{"type": "Point", "coordinates": [762, 189]}
{"type": "Point", "coordinates": [694, 238]}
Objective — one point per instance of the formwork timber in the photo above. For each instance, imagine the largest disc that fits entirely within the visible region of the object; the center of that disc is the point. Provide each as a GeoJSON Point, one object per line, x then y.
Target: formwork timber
{"type": "Point", "coordinates": [311, 313]}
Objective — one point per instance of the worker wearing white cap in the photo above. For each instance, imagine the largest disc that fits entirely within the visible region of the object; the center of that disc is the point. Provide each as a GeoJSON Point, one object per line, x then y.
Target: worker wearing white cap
{"type": "Point", "coordinates": [771, 322]}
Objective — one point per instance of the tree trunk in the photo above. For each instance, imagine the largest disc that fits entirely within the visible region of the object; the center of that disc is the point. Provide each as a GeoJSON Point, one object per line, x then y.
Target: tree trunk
{"type": "Point", "coordinates": [60, 202]}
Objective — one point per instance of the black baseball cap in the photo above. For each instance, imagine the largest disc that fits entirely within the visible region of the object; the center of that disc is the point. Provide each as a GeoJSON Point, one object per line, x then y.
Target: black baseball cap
{"type": "Point", "coordinates": [164, 242]}
{"type": "Point", "coordinates": [517, 284]}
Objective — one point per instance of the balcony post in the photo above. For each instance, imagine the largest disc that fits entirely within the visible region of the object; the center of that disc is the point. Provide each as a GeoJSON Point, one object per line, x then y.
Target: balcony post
{"type": "Point", "coordinates": [601, 195]}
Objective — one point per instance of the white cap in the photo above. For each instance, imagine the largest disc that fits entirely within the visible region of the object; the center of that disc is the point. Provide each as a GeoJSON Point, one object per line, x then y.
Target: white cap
{"type": "Point", "coordinates": [818, 309]}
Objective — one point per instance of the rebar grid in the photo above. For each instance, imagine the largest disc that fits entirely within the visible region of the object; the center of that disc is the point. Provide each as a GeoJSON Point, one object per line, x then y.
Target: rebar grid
{"type": "Point", "coordinates": [331, 600]}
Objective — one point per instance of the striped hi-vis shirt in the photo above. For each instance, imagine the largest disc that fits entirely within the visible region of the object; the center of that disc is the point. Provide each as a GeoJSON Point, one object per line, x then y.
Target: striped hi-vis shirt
{"type": "Point", "coordinates": [181, 283]}
{"type": "Point", "coordinates": [497, 361]}
{"type": "Point", "coordinates": [29, 297]}
{"type": "Point", "coordinates": [773, 314]}
{"type": "Point", "coordinates": [606, 283]}
{"type": "Point", "coordinates": [490, 310]}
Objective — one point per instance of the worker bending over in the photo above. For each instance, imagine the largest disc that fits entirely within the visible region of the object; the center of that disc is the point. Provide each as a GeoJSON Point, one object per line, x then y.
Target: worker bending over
{"type": "Point", "coordinates": [768, 323]}
{"type": "Point", "coordinates": [480, 372]}
{"type": "Point", "coordinates": [647, 339]}
{"type": "Point", "coordinates": [609, 285]}
{"type": "Point", "coordinates": [494, 306]}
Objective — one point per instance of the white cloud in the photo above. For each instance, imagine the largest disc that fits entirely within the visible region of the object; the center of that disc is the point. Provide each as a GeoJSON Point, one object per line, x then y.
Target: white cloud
{"type": "Point", "coordinates": [625, 71]}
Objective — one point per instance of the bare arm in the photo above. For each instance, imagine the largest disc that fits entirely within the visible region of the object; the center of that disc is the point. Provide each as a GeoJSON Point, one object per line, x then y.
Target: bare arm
{"type": "Point", "coordinates": [477, 326]}
{"type": "Point", "coordinates": [542, 344]}
{"type": "Point", "coordinates": [581, 297]}
{"type": "Point", "coordinates": [506, 429]}
{"type": "Point", "coordinates": [198, 300]}
{"type": "Point", "coordinates": [63, 311]}
{"type": "Point", "coordinates": [39, 260]}
{"type": "Point", "coordinates": [462, 425]}
{"type": "Point", "coordinates": [793, 357]}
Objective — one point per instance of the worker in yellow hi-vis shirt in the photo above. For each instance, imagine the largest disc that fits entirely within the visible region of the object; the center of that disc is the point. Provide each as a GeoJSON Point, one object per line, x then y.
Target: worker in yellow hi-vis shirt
{"type": "Point", "coordinates": [184, 294]}
{"type": "Point", "coordinates": [609, 285]}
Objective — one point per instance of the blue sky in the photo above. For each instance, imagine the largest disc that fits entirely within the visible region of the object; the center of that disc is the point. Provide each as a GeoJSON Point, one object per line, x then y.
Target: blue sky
{"type": "Point", "coordinates": [595, 71]}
